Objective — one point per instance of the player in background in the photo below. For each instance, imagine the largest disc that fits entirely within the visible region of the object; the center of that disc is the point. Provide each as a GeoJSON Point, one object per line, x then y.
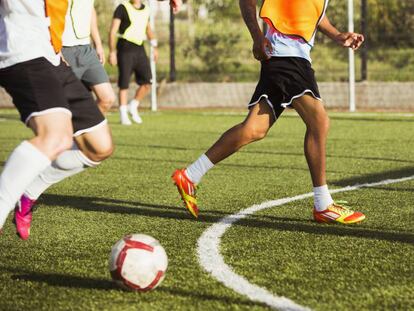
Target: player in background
{"type": "Point", "coordinates": [70, 132]}
{"type": "Point", "coordinates": [131, 24]}
{"type": "Point", "coordinates": [286, 80]}
{"type": "Point", "coordinates": [86, 62]}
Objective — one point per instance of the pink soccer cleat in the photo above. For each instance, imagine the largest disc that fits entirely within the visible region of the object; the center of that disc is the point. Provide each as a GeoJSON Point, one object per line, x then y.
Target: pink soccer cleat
{"type": "Point", "coordinates": [23, 216]}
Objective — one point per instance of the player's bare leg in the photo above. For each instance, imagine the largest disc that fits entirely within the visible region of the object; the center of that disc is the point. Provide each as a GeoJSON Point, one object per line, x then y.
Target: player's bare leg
{"type": "Point", "coordinates": [53, 136]}
{"type": "Point", "coordinates": [53, 133]}
{"type": "Point", "coordinates": [89, 150]}
{"type": "Point", "coordinates": [105, 96]}
{"type": "Point", "coordinates": [97, 145]}
{"type": "Point", "coordinates": [255, 127]}
{"type": "Point", "coordinates": [142, 91]}
{"type": "Point", "coordinates": [316, 119]}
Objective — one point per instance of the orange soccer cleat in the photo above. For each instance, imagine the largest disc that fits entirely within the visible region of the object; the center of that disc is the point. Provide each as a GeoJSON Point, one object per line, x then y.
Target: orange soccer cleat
{"type": "Point", "coordinates": [338, 213]}
{"type": "Point", "coordinates": [187, 190]}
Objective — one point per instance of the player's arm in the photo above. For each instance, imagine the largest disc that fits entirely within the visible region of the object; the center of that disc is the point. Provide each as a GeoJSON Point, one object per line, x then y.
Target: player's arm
{"type": "Point", "coordinates": [346, 39]}
{"type": "Point", "coordinates": [153, 41]}
{"type": "Point", "coordinates": [116, 22]}
{"type": "Point", "coordinates": [260, 43]}
{"type": "Point", "coordinates": [176, 4]}
{"type": "Point", "coordinates": [96, 38]}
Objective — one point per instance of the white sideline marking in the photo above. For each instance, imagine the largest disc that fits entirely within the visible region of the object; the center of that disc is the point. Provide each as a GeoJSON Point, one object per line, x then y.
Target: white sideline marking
{"type": "Point", "coordinates": [208, 250]}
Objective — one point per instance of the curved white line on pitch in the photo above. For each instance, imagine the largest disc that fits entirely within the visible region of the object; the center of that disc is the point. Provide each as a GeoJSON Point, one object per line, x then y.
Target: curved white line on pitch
{"type": "Point", "coordinates": [208, 250]}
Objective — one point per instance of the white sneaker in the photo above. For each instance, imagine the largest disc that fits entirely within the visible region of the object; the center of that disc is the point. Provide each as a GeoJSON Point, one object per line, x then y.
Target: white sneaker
{"type": "Point", "coordinates": [136, 118]}
{"type": "Point", "coordinates": [124, 117]}
{"type": "Point", "coordinates": [133, 110]}
{"type": "Point", "coordinates": [125, 121]}
{"type": "Point", "coordinates": [123, 112]}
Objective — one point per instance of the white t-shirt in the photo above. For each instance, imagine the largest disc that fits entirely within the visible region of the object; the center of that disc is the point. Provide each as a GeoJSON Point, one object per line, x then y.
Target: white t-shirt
{"type": "Point", "coordinates": [291, 46]}
{"type": "Point", "coordinates": [78, 23]}
{"type": "Point", "coordinates": [24, 32]}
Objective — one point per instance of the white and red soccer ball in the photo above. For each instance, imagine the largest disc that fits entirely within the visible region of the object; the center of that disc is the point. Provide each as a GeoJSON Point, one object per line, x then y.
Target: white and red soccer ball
{"type": "Point", "coordinates": [138, 262]}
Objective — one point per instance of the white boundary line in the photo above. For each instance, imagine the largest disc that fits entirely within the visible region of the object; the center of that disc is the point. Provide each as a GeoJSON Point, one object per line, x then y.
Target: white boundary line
{"type": "Point", "coordinates": [208, 250]}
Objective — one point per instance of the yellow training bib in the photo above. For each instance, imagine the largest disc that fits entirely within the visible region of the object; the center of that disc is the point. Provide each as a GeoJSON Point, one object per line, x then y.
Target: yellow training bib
{"type": "Point", "coordinates": [137, 31]}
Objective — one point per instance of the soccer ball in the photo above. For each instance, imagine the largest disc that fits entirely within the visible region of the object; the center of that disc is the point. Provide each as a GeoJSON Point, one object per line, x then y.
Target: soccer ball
{"type": "Point", "coordinates": [138, 262]}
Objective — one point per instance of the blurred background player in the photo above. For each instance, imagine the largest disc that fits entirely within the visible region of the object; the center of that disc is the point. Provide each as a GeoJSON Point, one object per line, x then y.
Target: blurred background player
{"type": "Point", "coordinates": [286, 80]}
{"type": "Point", "coordinates": [131, 24]}
{"type": "Point", "coordinates": [70, 132]}
{"type": "Point", "coordinates": [85, 61]}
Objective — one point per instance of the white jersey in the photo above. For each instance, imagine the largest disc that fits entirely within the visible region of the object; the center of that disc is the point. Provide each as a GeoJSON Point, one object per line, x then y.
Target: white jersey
{"type": "Point", "coordinates": [78, 23]}
{"type": "Point", "coordinates": [24, 32]}
{"type": "Point", "coordinates": [291, 46]}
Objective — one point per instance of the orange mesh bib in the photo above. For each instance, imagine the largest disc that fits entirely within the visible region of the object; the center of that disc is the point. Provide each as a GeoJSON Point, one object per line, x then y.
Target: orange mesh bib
{"type": "Point", "coordinates": [56, 11]}
{"type": "Point", "coordinates": [293, 17]}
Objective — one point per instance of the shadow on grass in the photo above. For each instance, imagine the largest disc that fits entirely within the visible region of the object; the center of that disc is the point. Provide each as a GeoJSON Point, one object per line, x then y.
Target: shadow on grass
{"type": "Point", "coordinates": [372, 119]}
{"type": "Point", "coordinates": [78, 282]}
{"type": "Point", "coordinates": [9, 116]}
{"type": "Point", "coordinates": [68, 281]}
{"type": "Point", "coordinates": [208, 216]}
{"type": "Point", "coordinates": [393, 189]}
{"type": "Point", "coordinates": [355, 231]}
{"type": "Point", "coordinates": [360, 118]}
{"type": "Point", "coordinates": [184, 162]}
{"type": "Point", "coordinates": [370, 178]}
{"type": "Point", "coordinates": [277, 153]}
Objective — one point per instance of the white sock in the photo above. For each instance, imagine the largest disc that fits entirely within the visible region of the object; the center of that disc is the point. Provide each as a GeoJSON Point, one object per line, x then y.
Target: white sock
{"type": "Point", "coordinates": [134, 103]}
{"type": "Point", "coordinates": [23, 165]}
{"type": "Point", "coordinates": [199, 168]}
{"type": "Point", "coordinates": [68, 163]}
{"type": "Point", "coordinates": [133, 107]}
{"type": "Point", "coordinates": [322, 197]}
{"type": "Point", "coordinates": [123, 110]}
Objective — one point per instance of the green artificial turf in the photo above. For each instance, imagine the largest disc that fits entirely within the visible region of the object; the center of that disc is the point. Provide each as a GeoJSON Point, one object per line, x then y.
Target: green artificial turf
{"type": "Point", "coordinates": [63, 266]}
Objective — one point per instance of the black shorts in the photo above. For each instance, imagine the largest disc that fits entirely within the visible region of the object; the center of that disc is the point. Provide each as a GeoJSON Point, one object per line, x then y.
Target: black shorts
{"type": "Point", "coordinates": [37, 87]}
{"type": "Point", "coordinates": [283, 79]}
{"type": "Point", "coordinates": [135, 61]}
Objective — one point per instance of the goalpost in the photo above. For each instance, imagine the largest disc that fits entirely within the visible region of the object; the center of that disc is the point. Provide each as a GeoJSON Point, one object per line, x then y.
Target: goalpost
{"type": "Point", "coordinates": [351, 59]}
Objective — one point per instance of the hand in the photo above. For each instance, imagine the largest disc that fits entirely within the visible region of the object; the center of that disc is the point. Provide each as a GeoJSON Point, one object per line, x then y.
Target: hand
{"type": "Point", "coordinates": [113, 61]}
{"type": "Point", "coordinates": [350, 40]}
{"type": "Point", "coordinates": [176, 4]}
{"type": "Point", "coordinates": [261, 48]}
{"type": "Point", "coordinates": [155, 51]}
{"type": "Point", "coordinates": [101, 54]}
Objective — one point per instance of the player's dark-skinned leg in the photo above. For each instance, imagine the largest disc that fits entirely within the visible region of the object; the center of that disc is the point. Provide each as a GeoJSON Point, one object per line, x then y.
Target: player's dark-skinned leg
{"type": "Point", "coordinates": [142, 91]}
{"type": "Point", "coordinates": [316, 119]}
{"type": "Point", "coordinates": [255, 127]}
